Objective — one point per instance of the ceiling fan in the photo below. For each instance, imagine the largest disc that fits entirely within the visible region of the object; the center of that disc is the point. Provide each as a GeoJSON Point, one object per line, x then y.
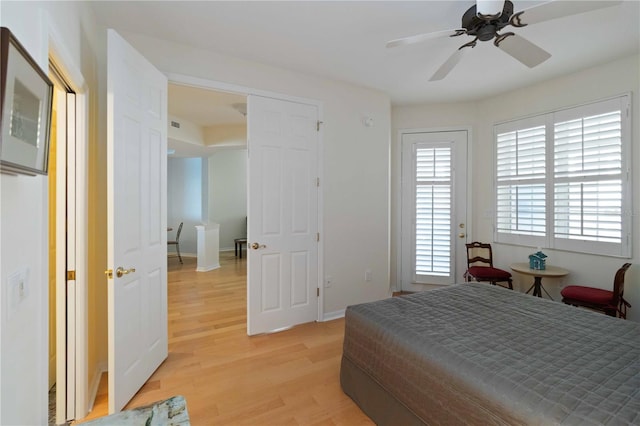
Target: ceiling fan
{"type": "Point", "coordinates": [487, 18]}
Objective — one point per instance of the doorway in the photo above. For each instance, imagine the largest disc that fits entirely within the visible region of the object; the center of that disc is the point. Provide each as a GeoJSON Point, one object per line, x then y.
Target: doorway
{"type": "Point", "coordinates": [434, 199]}
{"type": "Point", "coordinates": [194, 189]}
{"type": "Point", "coordinates": [207, 164]}
{"type": "Point", "coordinates": [266, 128]}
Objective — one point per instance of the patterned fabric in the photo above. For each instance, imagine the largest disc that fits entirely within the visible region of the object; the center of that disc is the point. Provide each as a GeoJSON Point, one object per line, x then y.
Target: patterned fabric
{"type": "Point", "coordinates": [480, 354]}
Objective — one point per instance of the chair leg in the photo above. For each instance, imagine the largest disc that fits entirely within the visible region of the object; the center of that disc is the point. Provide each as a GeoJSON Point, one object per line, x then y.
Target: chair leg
{"type": "Point", "coordinates": [510, 284]}
{"type": "Point", "coordinates": [178, 250]}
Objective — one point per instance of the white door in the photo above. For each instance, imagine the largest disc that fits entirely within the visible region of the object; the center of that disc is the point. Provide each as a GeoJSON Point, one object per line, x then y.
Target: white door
{"type": "Point", "coordinates": [73, 339]}
{"type": "Point", "coordinates": [137, 188]}
{"type": "Point", "coordinates": [70, 252]}
{"type": "Point", "coordinates": [65, 254]}
{"type": "Point", "coordinates": [434, 196]}
{"type": "Point", "coordinates": [282, 214]}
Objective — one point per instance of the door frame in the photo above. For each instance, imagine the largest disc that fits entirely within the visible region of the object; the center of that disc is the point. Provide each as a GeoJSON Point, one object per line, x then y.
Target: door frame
{"type": "Point", "coordinates": [72, 403]}
{"type": "Point", "coordinates": [400, 260]}
{"type": "Point", "coordinates": [207, 84]}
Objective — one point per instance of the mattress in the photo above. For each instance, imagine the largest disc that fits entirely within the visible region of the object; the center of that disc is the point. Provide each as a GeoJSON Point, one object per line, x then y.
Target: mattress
{"type": "Point", "coordinates": [480, 354]}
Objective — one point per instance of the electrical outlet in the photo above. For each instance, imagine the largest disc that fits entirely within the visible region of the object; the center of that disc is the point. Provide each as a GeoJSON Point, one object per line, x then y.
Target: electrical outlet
{"type": "Point", "coordinates": [367, 275]}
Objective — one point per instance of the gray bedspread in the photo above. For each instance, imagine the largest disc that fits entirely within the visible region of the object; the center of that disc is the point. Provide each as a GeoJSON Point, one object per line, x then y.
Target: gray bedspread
{"type": "Point", "coordinates": [480, 354]}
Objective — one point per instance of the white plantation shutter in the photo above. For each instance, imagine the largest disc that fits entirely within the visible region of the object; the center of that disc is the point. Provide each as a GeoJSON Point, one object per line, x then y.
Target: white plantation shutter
{"type": "Point", "coordinates": [433, 210]}
{"type": "Point", "coordinates": [586, 184]}
{"type": "Point", "coordinates": [521, 181]}
{"type": "Point", "coordinates": [588, 177]}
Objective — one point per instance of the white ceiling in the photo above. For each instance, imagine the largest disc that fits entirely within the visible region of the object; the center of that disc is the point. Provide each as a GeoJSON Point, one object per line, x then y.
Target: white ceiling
{"type": "Point", "coordinates": [345, 40]}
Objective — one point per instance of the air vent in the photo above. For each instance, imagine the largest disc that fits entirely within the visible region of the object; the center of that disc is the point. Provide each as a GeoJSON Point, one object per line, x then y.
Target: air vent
{"type": "Point", "coordinates": [175, 124]}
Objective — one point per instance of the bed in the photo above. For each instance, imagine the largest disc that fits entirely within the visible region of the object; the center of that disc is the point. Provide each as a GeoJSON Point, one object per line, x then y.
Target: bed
{"type": "Point", "coordinates": [476, 354]}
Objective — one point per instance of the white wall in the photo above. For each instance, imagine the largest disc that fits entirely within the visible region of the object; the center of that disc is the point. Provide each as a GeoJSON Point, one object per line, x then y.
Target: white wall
{"type": "Point", "coordinates": [599, 82]}
{"type": "Point", "coordinates": [23, 225]}
{"type": "Point", "coordinates": [24, 328]}
{"type": "Point", "coordinates": [201, 190]}
{"type": "Point", "coordinates": [184, 201]}
{"type": "Point", "coordinates": [228, 194]}
{"type": "Point", "coordinates": [355, 181]}
{"type": "Point", "coordinates": [23, 247]}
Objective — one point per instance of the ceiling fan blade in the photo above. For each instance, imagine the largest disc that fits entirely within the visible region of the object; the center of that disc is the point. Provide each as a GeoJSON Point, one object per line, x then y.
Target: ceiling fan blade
{"type": "Point", "coordinates": [422, 37]}
{"type": "Point", "coordinates": [557, 9]}
{"type": "Point", "coordinates": [448, 65]}
{"type": "Point", "coordinates": [522, 49]}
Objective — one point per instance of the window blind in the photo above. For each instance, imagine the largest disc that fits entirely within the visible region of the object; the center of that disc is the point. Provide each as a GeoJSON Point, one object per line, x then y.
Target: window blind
{"type": "Point", "coordinates": [520, 194]}
{"type": "Point", "coordinates": [588, 178]}
{"type": "Point", "coordinates": [562, 179]}
{"type": "Point", "coordinates": [433, 211]}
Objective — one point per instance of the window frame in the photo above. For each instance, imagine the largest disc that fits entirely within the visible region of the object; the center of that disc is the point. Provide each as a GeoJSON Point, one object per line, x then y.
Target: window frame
{"type": "Point", "coordinates": [550, 240]}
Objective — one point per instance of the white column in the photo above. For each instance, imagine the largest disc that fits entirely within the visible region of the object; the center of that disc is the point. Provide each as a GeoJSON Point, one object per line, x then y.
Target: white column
{"type": "Point", "coordinates": [208, 237]}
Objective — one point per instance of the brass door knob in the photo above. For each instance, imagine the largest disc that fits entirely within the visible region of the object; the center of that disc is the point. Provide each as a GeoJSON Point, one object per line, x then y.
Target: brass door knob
{"type": "Point", "coordinates": [121, 271]}
{"type": "Point", "coordinates": [257, 246]}
{"type": "Point", "coordinates": [461, 235]}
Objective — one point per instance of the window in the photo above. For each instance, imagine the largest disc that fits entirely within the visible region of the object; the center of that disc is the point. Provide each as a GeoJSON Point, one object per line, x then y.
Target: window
{"type": "Point", "coordinates": [562, 179]}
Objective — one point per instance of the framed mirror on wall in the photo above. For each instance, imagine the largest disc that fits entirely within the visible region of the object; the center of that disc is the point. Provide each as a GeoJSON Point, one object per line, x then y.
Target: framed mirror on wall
{"type": "Point", "coordinates": [25, 110]}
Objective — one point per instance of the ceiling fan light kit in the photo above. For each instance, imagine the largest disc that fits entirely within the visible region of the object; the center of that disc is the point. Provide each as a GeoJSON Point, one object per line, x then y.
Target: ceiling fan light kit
{"type": "Point", "coordinates": [485, 19]}
{"type": "Point", "coordinates": [486, 27]}
{"type": "Point", "coordinates": [489, 9]}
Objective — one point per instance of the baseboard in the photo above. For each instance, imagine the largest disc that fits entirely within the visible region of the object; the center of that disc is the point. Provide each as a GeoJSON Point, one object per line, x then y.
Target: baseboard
{"type": "Point", "coordinates": [333, 315]}
{"type": "Point", "coordinates": [101, 368]}
{"type": "Point", "coordinates": [208, 268]}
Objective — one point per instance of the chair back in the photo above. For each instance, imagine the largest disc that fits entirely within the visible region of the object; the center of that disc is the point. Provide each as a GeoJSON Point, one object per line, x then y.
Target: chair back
{"type": "Point", "coordinates": [179, 231]}
{"type": "Point", "coordinates": [479, 254]}
{"type": "Point", "coordinates": [618, 284]}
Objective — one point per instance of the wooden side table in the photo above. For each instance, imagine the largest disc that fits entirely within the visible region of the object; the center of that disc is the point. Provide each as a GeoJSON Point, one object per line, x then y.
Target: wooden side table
{"type": "Point", "coordinates": [538, 274]}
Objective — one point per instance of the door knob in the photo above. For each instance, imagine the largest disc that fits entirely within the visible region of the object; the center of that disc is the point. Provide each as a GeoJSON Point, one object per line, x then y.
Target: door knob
{"type": "Point", "coordinates": [461, 235]}
{"type": "Point", "coordinates": [121, 271]}
{"type": "Point", "coordinates": [257, 246]}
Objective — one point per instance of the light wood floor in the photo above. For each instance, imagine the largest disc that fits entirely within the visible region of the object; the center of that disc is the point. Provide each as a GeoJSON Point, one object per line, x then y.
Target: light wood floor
{"type": "Point", "coordinates": [228, 378]}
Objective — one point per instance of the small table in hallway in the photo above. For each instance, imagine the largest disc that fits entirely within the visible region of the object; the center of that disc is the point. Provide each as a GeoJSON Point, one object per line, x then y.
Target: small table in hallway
{"type": "Point", "coordinates": [239, 242]}
{"type": "Point", "coordinates": [538, 274]}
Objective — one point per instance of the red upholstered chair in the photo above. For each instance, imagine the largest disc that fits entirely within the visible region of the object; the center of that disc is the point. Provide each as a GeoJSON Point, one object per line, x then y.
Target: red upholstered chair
{"type": "Point", "coordinates": [480, 265]}
{"type": "Point", "coordinates": [611, 303]}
